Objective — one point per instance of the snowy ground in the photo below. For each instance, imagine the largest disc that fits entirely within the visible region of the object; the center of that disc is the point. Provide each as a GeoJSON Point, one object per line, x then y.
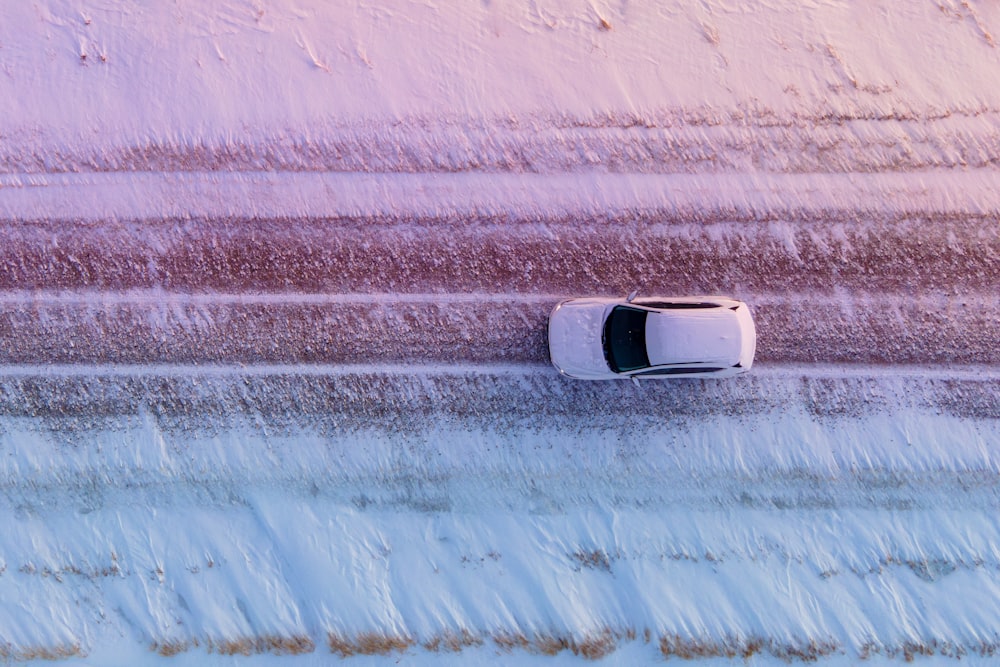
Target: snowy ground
{"type": "Point", "coordinates": [852, 508]}
{"type": "Point", "coordinates": [274, 281]}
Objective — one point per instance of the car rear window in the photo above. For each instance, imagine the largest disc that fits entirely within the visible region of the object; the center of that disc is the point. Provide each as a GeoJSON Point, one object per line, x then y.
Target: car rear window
{"type": "Point", "coordinates": [625, 339]}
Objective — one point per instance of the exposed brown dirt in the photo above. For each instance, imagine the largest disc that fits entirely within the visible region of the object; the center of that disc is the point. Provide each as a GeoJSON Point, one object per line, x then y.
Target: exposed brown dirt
{"type": "Point", "coordinates": [657, 253]}
{"type": "Point", "coordinates": [858, 328]}
{"type": "Point", "coordinates": [822, 290]}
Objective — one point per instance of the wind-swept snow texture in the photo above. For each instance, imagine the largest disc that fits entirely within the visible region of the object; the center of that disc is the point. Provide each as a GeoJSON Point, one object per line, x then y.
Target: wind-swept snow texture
{"type": "Point", "coordinates": [274, 283]}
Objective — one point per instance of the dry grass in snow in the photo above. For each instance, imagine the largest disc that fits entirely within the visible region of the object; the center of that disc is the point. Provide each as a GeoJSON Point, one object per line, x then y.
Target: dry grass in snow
{"type": "Point", "coordinates": [245, 646]}
{"type": "Point", "coordinates": [367, 643]}
{"type": "Point", "coordinates": [10, 653]}
{"type": "Point", "coordinates": [591, 646]}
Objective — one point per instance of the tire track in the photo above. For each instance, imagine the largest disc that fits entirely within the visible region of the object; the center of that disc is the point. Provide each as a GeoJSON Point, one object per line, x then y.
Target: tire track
{"type": "Point", "coordinates": [157, 327]}
{"type": "Point", "coordinates": [564, 256]}
{"type": "Point", "coordinates": [688, 140]}
{"type": "Point", "coordinates": [406, 396]}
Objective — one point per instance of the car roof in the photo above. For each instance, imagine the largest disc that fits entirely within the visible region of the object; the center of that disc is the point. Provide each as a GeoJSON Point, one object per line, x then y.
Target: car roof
{"type": "Point", "coordinates": [693, 336]}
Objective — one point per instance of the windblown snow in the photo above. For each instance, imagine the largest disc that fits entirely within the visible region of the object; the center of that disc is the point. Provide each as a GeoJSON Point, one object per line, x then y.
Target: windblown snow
{"type": "Point", "coordinates": [274, 286]}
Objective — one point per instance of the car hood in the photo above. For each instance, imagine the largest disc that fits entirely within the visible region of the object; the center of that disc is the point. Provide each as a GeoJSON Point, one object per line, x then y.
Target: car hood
{"type": "Point", "coordinates": [575, 329]}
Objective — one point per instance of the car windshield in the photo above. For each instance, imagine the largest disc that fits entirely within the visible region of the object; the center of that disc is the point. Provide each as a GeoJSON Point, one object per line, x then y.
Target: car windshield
{"type": "Point", "coordinates": [625, 339]}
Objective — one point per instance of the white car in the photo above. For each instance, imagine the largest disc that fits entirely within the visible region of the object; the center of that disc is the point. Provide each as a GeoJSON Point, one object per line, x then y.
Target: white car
{"type": "Point", "coordinates": [668, 337]}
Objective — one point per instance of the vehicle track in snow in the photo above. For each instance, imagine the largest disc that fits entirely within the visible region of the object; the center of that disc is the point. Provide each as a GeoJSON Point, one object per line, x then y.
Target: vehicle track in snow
{"type": "Point", "coordinates": [398, 396]}
{"type": "Point", "coordinates": [655, 251]}
{"type": "Point", "coordinates": [665, 140]}
{"type": "Point", "coordinates": [153, 326]}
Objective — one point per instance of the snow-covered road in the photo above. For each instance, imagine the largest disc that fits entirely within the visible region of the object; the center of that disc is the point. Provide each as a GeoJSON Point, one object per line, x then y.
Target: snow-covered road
{"type": "Point", "coordinates": [335, 268]}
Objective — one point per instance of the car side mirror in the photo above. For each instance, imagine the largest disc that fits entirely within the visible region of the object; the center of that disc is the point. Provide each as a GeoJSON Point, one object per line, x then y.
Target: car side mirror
{"type": "Point", "coordinates": [634, 293]}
